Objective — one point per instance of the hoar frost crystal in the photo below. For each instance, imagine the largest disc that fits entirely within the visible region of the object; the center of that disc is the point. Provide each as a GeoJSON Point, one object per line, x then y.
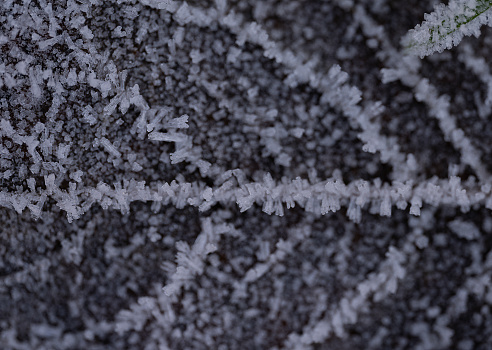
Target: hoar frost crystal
{"type": "Point", "coordinates": [245, 175]}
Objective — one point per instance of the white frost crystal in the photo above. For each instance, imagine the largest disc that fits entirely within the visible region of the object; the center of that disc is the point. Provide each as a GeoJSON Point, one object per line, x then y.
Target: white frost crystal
{"type": "Point", "coordinates": [244, 175]}
{"type": "Point", "coordinates": [447, 25]}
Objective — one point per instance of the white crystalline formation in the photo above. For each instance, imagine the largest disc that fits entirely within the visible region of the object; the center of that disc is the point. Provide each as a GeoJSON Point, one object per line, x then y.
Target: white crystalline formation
{"type": "Point", "coordinates": [447, 25]}
{"type": "Point", "coordinates": [244, 174]}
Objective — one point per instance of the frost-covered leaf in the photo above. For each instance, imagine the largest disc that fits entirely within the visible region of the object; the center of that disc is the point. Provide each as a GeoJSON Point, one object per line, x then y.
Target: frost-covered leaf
{"type": "Point", "coordinates": [447, 25]}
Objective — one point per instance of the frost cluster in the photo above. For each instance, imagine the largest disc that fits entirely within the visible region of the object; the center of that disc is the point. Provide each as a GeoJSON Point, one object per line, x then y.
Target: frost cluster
{"type": "Point", "coordinates": [259, 174]}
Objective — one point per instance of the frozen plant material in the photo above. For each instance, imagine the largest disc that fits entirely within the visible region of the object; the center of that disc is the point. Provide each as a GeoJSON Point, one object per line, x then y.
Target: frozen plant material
{"type": "Point", "coordinates": [254, 174]}
{"type": "Point", "coordinates": [447, 25]}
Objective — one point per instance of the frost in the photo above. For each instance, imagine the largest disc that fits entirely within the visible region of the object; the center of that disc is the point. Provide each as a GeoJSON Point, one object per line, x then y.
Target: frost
{"type": "Point", "coordinates": [167, 137]}
{"type": "Point", "coordinates": [35, 88]}
{"type": "Point", "coordinates": [466, 230]}
{"type": "Point", "coordinates": [21, 67]}
{"type": "Point", "coordinates": [62, 152]}
{"type": "Point", "coordinates": [244, 174]}
{"type": "Point", "coordinates": [77, 175]}
{"type": "Point", "coordinates": [447, 25]}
